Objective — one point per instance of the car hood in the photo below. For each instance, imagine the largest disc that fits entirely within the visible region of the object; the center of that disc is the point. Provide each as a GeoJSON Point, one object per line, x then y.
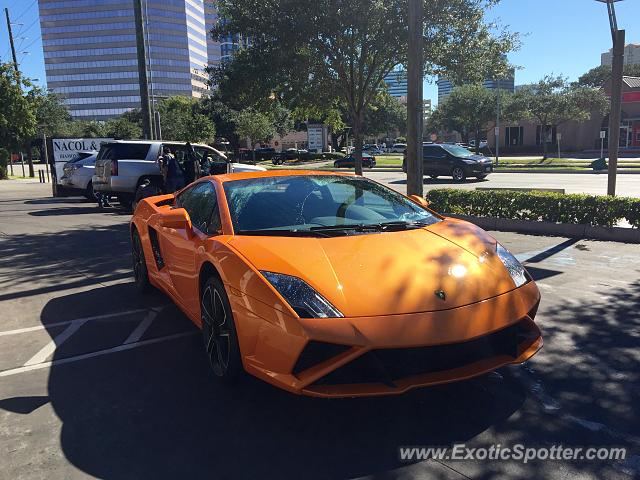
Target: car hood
{"type": "Point", "coordinates": [478, 158]}
{"type": "Point", "coordinates": [443, 266]}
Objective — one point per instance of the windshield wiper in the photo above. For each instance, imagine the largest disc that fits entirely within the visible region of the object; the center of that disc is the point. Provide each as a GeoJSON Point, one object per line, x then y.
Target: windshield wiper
{"type": "Point", "coordinates": [274, 232]}
{"type": "Point", "coordinates": [371, 227]}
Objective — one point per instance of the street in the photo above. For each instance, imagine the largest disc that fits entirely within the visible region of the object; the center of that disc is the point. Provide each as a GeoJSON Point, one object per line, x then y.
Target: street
{"type": "Point", "coordinates": [99, 381]}
{"type": "Point", "coordinates": [628, 185]}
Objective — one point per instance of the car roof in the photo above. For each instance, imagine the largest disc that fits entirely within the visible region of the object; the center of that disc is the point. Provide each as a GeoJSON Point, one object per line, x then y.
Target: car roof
{"type": "Point", "coordinates": [230, 177]}
{"type": "Point", "coordinates": [155, 142]}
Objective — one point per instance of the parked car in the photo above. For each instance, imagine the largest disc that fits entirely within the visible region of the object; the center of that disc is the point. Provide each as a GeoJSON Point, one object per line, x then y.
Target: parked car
{"type": "Point", "coordinates": [77, 175]}
{"type": "Point", "coordinates": [452, 160]}
{"type": "Point", "coordinates": [265, 153]}
{"type": "Point", "coordinates": [368, 161]}
{"type": "Point", "coordinates": [289, 154]}
{"type": "Point", "coordinates": [124, 166]}
{"type": "Point", "coordinates": [398, 148]}
{"type": "Point", "coordinates": [372, 149]}
{"type": "Point", "coordinates": [483, 144]}
{"type": "Point", "coordinates": [356, 289]}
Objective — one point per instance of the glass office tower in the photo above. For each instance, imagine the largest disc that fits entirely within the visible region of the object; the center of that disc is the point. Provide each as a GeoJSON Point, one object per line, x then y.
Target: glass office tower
{"type": "Point", "coordinates": [91, 60]}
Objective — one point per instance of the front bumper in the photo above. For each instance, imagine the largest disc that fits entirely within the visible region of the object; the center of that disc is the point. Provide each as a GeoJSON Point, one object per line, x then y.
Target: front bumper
{"type": "Point", "coordinates": [484, 168]}
{"type": "Point", "coordinates": [363, 356]}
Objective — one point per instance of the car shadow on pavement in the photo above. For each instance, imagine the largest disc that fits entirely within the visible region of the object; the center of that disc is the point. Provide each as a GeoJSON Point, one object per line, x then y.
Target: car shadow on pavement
{"type": "Point", "coordinates": [157, 412]}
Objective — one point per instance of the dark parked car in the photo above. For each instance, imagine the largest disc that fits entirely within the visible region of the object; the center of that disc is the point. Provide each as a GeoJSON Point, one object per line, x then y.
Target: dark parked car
{"type": "Point", "coordinates": [452, 161]}
{"type": "Point", "coordinates": [265, 153]}
{"type": "Point", "coordinates": [368, 161]}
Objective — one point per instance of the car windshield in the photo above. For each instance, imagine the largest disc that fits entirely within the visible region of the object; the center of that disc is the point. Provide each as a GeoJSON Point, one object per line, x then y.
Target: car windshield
{"type": "Point", "coordinates": [321, 205]}
{"type": "Point", "coordinates": [457, 151]}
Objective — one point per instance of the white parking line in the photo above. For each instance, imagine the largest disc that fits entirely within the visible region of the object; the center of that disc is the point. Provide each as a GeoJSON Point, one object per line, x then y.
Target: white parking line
{"type": "Point", "coordinates": [142, 327]}
{"type": "Point", "coordinates": [46, 351]}
{"type": "Point", "coordinates": [77, 358]}
{"type": "Point", "coordinates": [67, 322]}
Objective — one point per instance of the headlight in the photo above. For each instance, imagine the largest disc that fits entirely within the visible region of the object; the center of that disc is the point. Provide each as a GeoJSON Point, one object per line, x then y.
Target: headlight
{"type": "Point", "coordinates": [469, 161]}
{"type": "Point", "coordinates": [304, 300]}
{"type": "Point", "coordinates": [515, 268]}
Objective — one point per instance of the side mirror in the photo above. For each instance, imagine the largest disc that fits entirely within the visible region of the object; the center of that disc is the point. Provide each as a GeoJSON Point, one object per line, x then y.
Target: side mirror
{"type": "Point", "coordinates": [177, 218]}
{"type": "Point", "coordinates": [419, 200]}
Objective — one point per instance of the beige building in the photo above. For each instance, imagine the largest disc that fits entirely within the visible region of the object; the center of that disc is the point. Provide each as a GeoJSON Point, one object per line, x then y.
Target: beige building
{"type": "Point", "coordinates": [578, 136]}
{"type": "Point", "coordinates": [631, 55]}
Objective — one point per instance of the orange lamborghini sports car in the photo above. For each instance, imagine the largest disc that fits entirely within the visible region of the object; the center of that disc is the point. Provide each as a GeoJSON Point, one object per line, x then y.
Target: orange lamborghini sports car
{"type": "Point", "coordinates": [333, 285]}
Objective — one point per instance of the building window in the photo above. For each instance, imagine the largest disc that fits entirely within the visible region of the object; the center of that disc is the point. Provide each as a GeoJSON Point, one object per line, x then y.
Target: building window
{"type": "Point", "coordinates": [513, 136]}
{"type": "Point", "coordinates": [550, 136]}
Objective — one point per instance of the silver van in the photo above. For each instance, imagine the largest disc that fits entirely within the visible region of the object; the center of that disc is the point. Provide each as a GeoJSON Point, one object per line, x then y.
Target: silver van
{"type": "Point", "coordinates": [123, 166]}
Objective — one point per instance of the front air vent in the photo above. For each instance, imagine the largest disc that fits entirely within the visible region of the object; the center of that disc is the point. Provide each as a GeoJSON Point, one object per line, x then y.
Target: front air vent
{"type": "Point", "coordinates": [155, 247]}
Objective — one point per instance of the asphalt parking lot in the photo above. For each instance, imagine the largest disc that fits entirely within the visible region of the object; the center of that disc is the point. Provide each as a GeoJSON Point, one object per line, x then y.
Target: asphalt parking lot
{"type": "Point", "coordinates": [97, 381]}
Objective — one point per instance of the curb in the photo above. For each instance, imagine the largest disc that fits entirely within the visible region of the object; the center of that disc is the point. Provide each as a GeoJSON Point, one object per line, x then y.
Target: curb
{"type": "Point", "coordinates": [614, 234]}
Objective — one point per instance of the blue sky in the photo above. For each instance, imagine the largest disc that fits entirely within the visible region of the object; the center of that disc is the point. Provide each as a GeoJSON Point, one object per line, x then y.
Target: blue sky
{"type": "Point", "coordinates": [558, 36]}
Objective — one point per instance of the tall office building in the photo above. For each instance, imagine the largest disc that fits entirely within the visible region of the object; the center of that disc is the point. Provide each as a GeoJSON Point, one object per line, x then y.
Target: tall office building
{"type": "Point", "coordinates": [211, 20]}
{"type": "Point", "coordinates": [91, 58]}
{"type": "Point", "coordinates": [445, 87]}
{"type": "Point", "coordinates": [396, 82]}
{"type": "Point", "coordinates": [631, 55]}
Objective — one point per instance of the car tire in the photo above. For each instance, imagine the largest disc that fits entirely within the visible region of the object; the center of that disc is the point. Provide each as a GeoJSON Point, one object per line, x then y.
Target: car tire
{"type": "Point", "coordinates": [89, 193]}
{"type": "Point", "coordinates": [147, 188]}
{"type": "Point", "coordinates": [219, 332]}
{"type": "Point", "coordinates": [125, 203]}
{"type": "Point", "coordinates": [140, 272]}
{"type": "Point", "coordinates": [458, 174]}
{"type": "Point", "coordinates": [481, 177]}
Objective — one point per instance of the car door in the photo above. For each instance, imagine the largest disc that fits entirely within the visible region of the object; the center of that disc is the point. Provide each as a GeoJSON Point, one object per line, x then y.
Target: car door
{"type": "Point", "coordinates": [432, 160]}
{"type": "Point", "coordinates": [181, 247]}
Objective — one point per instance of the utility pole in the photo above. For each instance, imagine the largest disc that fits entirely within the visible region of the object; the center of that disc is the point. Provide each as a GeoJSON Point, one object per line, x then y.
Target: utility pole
{"type": "Point", "coordinates": [497, 129]}
{"type": "Point", "coordinates": [415, 103]}
{"type": "Point", "coordinates": [13, 48]}
{"type": "Point", "coordinates": [145, 104]}
{"type": "Point", "coordinates": [616, 107]}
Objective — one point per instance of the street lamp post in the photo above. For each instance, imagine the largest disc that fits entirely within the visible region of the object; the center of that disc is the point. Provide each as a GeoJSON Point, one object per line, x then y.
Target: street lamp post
{"type": "Point", "coordinates": [617, 65]}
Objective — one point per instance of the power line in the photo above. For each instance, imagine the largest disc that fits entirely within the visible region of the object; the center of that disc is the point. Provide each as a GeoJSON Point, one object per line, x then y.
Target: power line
{"type": "Point", "coordinates": [25, 11]}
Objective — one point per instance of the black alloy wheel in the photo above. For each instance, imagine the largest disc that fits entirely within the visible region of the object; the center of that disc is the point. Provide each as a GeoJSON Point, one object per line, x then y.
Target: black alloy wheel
{"type": "Point", "coordinates": [219, 332]}
{"type": "Point", "coordinates": [140, 272]}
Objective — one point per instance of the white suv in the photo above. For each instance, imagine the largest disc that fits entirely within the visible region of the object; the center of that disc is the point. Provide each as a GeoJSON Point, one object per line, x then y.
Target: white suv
{"type": "Point", "coordinates": [124, 166]}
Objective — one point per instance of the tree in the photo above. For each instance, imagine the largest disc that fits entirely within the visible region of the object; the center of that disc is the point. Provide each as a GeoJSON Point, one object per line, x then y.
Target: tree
{"type": "Point", "coordinates": [384, 114]}
{"type": "Point", "coordinates": [254, 125]}
{"type": "Point", "coordinates": [470, 109]}
{"type": "Point", "coordinates": [598, 76]}
{"type": "Point", "coordinates": [553, 101]}
{"type": "Point", "coordinates": [121, 128]}
{"type": "Point", "coordinates": [18, 120]}
{"type": "Point", "coordinates": [330, 49]}
{"type": "Point", "coordinates": [181, 119]}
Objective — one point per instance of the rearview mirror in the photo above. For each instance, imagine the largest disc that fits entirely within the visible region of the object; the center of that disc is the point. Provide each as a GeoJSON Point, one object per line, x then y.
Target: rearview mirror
{"type": "Point", "coordinates": [177, 218]}
{"type": "Point", "coordinates": [419, 200]}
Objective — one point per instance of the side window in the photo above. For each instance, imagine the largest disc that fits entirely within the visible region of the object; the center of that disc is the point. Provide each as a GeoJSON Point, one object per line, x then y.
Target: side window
{"type": "Point", "coordinates": [130, 151]}
{"type": "Point", "coordinates": [201, 203]}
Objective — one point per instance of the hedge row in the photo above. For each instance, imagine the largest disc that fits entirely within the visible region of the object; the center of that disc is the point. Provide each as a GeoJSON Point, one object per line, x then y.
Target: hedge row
{"type": "Point", "coordinates": [592, 210]}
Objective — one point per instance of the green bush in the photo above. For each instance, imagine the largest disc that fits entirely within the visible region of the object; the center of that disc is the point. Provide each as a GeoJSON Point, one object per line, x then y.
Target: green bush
{"type": "Point", "coordinates": [4, 158]}
{"type": "Point", "coordinates": [601, 211]}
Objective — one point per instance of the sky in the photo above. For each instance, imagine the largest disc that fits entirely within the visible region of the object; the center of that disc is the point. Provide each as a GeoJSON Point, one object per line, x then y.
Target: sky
{"type": "Point", "coordinates": [563, 37]}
